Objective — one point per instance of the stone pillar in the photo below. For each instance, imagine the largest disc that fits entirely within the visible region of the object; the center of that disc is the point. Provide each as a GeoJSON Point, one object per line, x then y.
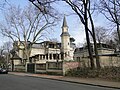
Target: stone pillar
{"type": "Point", "coordinates": [32, 60]}
{"type": "Point", "coordinates": [63, 68]}
{"type": "Point", "coordinates": [59, 56]}
{"type": "Point", "coordinates": [39, 57]}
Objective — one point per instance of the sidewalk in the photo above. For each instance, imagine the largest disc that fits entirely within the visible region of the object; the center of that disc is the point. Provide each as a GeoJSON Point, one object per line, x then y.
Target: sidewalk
{"type": "Point", "coordinates": [87, 81]}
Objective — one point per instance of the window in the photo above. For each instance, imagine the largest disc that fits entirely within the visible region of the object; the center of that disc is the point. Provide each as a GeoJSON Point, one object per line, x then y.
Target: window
{"type": "Point", "coordinates": [50, 56]}
{"type": "Point", "coordinates": [47, 56]}
{"type": "Point", "coordinates": [62, 56]}
{"type": "Point", "coordinates": [54, 56]}
{"type": "Point", "coordinates": [43, 56]}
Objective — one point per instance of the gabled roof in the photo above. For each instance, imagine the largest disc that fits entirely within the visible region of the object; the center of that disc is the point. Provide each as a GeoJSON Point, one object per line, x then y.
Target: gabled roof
{"type": "Point", "coordinates": [16, 57]}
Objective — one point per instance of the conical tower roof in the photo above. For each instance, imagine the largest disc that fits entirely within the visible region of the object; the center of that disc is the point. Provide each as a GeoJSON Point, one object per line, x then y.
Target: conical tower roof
{"type": "Point", "coordinates": [64, 22]}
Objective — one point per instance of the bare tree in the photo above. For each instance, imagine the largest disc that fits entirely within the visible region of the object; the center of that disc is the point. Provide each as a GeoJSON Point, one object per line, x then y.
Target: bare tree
{"type": "Point", "coordinates": [54, 40]}
{"type": "Point", "coordinates": [2, 3]}
{"type": "Point", "coordinates": [114, 41]}
{"type": "Point", "coordinates": [5, 52]}
{"type": "Point", "coordinates": [101, 34]}
{"type": "Point", "coordinates": [2, 59]}
{"type": "Point", "coordinates": [45, 7]}
{"type": "Point", "coordinates": [26, 26]}
{"type": "Point", "coordinates": [111, 10]}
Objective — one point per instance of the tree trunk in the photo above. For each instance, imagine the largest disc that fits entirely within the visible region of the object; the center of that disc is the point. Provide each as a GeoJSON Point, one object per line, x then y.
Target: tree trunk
{"type": "Point", "coordinates": [94, 40]}
{"type": "Point", "coordinates": [89, 49]}
{"type": "Point", "coordinates": [96, 51]}
{"type": "Point", "coordinates": [87, 38]}
{"type": "Point", "coordinates": [118, 31]}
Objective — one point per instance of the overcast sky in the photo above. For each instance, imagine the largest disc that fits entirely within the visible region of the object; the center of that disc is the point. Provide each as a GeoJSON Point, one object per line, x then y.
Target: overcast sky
{"type": "Point", "coordinates": [76, 28]}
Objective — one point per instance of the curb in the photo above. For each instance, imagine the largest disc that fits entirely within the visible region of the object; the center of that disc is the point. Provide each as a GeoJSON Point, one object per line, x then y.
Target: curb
{"type": "Point", "coordinates": [70, 81]}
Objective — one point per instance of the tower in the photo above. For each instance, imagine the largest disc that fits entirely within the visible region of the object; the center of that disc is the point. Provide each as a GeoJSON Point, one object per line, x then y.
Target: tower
{"type": "Point", "coordinates": [65, 40]}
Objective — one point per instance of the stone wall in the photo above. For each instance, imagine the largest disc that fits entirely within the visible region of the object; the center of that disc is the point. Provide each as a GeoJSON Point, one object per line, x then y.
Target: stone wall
{"type": "Point", "coordinates": [19, 68]}
{"type": "Point", "coordinates": [70, 65]}
{"type": "Point", "coordinates": [108, 61]}
{"type": "Point", "coordinates": [105, 61]}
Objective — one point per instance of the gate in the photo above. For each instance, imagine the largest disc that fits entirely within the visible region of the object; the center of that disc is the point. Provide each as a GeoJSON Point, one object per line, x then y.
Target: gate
{"type": "Point", "coordinates": [31, 67]}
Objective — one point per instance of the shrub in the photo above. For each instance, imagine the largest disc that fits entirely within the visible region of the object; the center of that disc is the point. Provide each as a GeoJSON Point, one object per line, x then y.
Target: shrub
{"type": "Point", "coordinates": [109, 73]}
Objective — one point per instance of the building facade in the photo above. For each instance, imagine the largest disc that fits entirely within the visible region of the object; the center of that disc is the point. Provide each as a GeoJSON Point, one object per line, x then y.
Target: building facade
{"type": "Point", "coordinates": [107, 56]}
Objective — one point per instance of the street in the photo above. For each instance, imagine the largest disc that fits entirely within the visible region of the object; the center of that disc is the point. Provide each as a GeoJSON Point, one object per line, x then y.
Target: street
{"type": "Point", "coordinates": [13, 82]}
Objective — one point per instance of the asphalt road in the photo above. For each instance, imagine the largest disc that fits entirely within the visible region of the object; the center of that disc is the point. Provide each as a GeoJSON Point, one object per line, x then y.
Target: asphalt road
{"type": "Point", "coordinates": [12, 82]}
